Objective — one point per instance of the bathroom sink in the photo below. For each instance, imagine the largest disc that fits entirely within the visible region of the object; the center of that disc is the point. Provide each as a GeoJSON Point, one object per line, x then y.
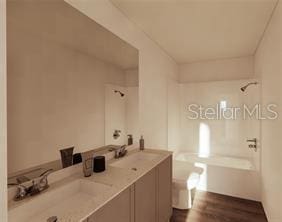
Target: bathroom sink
{"type": "Point", "coordinates": [67, 202]}
{"type": "Point", "coordinates": [136, 160]}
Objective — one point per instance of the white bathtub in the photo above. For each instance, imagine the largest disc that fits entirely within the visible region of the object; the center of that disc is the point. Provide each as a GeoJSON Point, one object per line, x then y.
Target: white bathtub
{"type": "Point", "coordinates": [226, 175]}
{"type": "Point", "coordinates": [222, 161]}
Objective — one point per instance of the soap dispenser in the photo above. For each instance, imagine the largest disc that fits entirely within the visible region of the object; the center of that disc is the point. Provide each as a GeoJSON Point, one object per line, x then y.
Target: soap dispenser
{"type": "Point", "coordinates": [141, 143]}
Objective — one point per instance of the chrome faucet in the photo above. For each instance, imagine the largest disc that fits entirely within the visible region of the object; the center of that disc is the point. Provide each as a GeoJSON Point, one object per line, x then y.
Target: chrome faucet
{"type": "Point", "coordinates": [120, 151]}
{"type": "Point", "coordinates": [36, 187]}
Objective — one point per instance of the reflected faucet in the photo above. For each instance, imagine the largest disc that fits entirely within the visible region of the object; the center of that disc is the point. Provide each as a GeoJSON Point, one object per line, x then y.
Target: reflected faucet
{"type": "Point", "coordinates": [120, 151]}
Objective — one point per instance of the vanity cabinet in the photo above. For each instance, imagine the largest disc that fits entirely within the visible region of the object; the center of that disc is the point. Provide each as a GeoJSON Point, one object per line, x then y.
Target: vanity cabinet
{"type": "Point", "coordinates": [146, 198]}
{"type": "Point", "coordinates": [119, 209]}
{"type": "Point", "coordinates": [153, 194]}
{"type": "Point", "coordinates": [164, 190]}
{"type": "Point", "coordinates": [149, 199]}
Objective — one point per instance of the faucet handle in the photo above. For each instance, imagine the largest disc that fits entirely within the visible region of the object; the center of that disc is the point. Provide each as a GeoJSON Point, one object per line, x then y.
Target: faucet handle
{"type": "Point", "coordinates": [254, 140]}
{"type": "Point", "coordinates": [43, 182]}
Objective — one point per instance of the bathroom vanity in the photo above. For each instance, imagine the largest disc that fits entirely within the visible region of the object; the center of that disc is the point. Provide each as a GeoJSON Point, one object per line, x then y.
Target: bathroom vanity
{"type": "Point", "coordinates": [147, 199]}
{"type": "Point", "coordinates": [135, 188]}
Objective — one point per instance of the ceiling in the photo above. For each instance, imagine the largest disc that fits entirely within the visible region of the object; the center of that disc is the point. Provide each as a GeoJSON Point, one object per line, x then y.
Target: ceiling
{"type": "Point", "coordinates": [196, 30]}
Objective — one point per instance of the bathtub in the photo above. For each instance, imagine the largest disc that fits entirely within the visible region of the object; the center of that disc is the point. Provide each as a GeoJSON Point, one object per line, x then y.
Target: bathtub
{"type": "Point", "coordinates": [225, 175]}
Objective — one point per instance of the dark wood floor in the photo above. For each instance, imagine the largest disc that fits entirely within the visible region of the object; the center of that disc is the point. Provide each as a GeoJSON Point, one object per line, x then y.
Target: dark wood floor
{"type": "Point", "coordinates": [211, 207]}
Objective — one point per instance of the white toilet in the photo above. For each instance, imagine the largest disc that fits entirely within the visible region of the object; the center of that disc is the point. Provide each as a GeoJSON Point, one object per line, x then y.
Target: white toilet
{"type": "Point", "coordinates": [185, 180]}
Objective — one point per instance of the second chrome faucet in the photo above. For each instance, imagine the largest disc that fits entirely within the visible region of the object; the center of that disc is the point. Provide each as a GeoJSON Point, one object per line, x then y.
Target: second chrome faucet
{"type": "Point", "coordinates": [120, 151]}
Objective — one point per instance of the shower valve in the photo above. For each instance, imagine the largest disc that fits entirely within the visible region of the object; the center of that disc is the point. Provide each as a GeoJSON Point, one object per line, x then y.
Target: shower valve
{"type": "Point", "coordinates": [253, 144]}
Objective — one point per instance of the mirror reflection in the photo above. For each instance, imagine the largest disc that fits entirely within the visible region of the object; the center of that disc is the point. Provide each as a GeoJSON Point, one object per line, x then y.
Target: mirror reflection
{"type": "Point", "coordinates": [72, 87]}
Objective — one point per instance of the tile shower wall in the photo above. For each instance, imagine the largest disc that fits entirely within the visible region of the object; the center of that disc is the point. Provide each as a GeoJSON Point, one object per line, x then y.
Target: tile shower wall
{"type": "Point", "coordinates": [221, 137]}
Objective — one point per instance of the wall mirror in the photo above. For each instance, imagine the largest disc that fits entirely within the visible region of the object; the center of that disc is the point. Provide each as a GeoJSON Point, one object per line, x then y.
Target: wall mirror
{"type": "Point", "coordinates": [71, 83]}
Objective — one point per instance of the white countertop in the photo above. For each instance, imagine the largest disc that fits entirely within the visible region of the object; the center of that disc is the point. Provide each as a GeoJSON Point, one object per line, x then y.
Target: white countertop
{"type": "Point", "coordinates": [116, 179]}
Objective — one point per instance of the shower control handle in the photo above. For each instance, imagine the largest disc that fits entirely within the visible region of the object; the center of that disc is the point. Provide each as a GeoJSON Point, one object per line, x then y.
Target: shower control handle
{"type": "Point", "coordinates": [253, 145]}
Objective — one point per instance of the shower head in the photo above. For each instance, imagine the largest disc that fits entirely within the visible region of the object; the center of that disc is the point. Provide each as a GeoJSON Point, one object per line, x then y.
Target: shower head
{"type": "Point", "coordinates": [243, 89]}
{"type": "Point", "coordinates": [121, 94]}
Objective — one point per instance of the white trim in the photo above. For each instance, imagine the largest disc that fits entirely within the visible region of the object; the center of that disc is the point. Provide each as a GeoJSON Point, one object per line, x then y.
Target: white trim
{"type": "Point", "coordinates": [3, 114]}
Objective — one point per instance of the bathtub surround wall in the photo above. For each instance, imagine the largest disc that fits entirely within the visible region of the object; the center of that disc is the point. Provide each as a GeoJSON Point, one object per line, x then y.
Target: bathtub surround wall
{"type": "Point", "coordinates": [3, 114]}
{"type": "Point", "coordinates": [217, 136]}
{"type": "Point", "coordinates": [155, 69]}
{"type": "Point", "coordinates": [268, 66]}
{"type": "Point", "coordinates": [212, 82]}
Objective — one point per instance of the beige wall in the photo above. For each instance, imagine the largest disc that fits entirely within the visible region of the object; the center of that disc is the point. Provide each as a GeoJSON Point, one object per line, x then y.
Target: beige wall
{"type": "Point", "coordinates": [155, 68]}
{"type": "Point", "coordinates": [132, 77]}
{"type": "Point", "coordinates": [217, 70]}
{"type": "Point", "coordinates": [173, 115]}
{"type": "Point", "coordinates": [56, 97]}
{"type": "Point", "coordinates": [3, 145]}
{"type": "Point", "coordinates": [268, 66]}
